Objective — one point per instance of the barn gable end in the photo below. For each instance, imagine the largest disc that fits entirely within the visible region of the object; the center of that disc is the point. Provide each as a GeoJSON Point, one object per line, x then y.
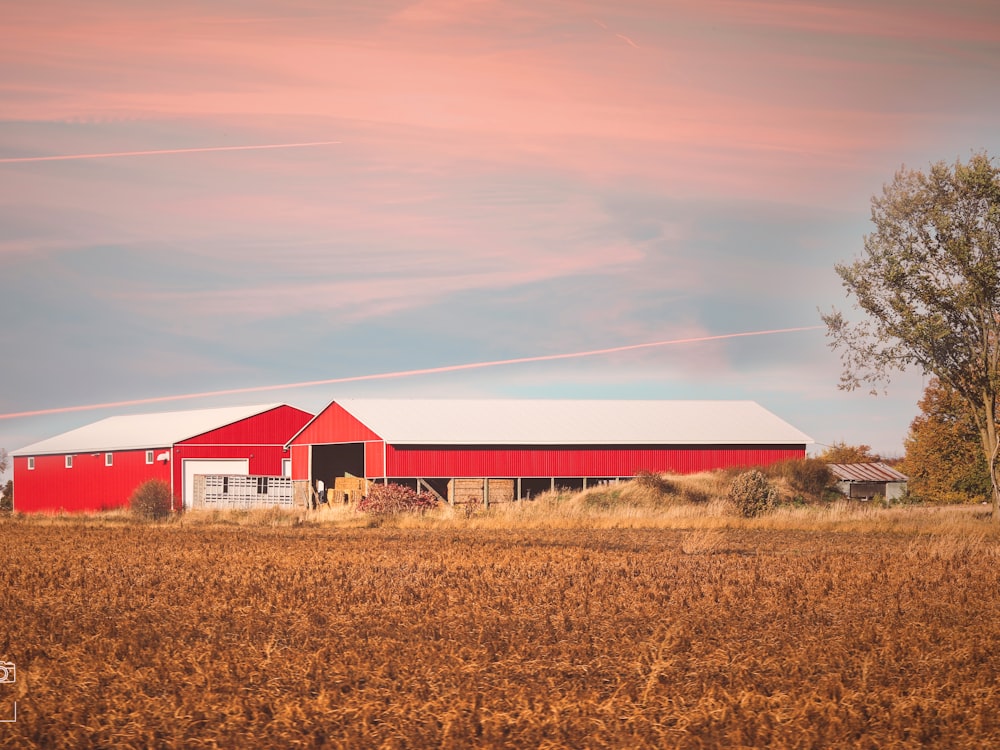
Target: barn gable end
{"type": "Point", "coordinates": [96, 467]}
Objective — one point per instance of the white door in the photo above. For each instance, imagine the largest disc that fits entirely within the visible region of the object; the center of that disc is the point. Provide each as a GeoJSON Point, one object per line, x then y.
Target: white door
{"type": "Point", "coordinates": [194, 466]}
{"type": "Point", "coordinates": [286, 467]}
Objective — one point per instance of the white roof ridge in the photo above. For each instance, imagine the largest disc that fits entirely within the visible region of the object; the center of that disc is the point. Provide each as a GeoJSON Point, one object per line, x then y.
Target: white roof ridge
{"type": "Point", "coordinates": [532, 421]}
{"type": "Point", "coordinates": [137, 431]}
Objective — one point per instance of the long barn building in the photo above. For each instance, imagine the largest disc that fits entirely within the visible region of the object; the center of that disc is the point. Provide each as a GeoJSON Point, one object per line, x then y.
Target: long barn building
{"type": "Point", "coordinates": [98, 466]}
{"type": "Point", "coordinates": [539, 444]}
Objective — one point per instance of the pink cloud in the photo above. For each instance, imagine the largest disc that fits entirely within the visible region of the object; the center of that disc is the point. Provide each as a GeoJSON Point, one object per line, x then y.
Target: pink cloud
{"type": "Point", "coordinates": [692, 111]}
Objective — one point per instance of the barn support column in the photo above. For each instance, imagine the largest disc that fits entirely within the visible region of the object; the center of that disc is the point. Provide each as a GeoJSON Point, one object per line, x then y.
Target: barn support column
{"type": "Point", "coordinates": [428, 488]}
{"type": "Point", "coordinates": [552, 484]}
{"type": "Point", "coordinates": [519, 489]}
{"type": "Point", "coordinates": [486, 492]}
{"type": "Point", "coordinates": [310, 503]}
{"type": "Point", "coordinates": [585, 483]}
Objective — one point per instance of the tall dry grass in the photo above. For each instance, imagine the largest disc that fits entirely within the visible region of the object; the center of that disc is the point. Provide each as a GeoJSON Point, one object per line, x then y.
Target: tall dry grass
{"type": "Point", "coordinates": [664, 502]}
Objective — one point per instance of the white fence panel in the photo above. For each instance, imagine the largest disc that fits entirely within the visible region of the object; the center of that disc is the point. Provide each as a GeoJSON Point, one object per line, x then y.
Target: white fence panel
{"type": "Point", "coordinates": [237, 491]}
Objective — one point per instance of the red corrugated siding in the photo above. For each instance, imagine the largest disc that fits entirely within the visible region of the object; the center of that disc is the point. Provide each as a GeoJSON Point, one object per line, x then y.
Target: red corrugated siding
{"type": "Point", "coordinates": [300, 461]}
{"type": "Point", "coordinates": [259, 438]}
{"type": "Point", "coordinates": [92, 486]}
{"type": "Point", "coordinates": [88, 486]}
{"type": "Point", "coordinates": [334, 425]}
{"type": "Point", "coordinates": [573, 461]}
{"type": "Point", "coordinates": [273, 427]}
{"type": "Point", "coordinates": [374, 457]}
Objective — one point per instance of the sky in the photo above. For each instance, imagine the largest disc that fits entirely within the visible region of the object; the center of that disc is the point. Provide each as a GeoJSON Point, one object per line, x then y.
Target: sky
{"type": "Point", "coordinates": [452, 182]}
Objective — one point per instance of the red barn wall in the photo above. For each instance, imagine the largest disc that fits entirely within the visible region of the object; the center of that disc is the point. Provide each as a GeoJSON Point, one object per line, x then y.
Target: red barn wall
{"type": "Point", "coordinates": [88, 486]}
{"type": "Point", "coordinates": [574, 461]}
{"type": "Point", "coordinates": [376, 458]}
{"type": "Point", "coordinates": [273, 427]}
{"type": "Point", "coordinates": [335, 425]}
{"type": "Point", "coordinates": [300, 461]}
{"type": "Point", "coordinates": [92, 486]}
{"type": "Point", "coordinates": [260, 439]}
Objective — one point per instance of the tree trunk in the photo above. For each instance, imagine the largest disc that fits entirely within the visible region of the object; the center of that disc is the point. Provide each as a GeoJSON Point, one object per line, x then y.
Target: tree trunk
{"type": "Point", "coordinates": [991, 449]}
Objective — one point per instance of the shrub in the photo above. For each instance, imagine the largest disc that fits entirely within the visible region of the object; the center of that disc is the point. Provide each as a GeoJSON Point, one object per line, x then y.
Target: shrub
{"type": "Point", "coordinates": [809, 476]}
{"type": "Point", "coordinates": [655, 481]}
{"type": "Point", "coordinates": [151, 500]}
{"type": "Point", "coordinates": [7, 498]}
{"type": "Point", "coordinates": [390, 499]}
{"type": "Point", "coordinates": [752, 494]}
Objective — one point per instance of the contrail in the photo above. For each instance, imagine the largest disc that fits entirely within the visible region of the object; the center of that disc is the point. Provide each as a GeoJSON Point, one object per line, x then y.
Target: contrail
{"type": "Point", "coordinates": [622, 36]}
{"type": "Point", "coordinates": [405, 373]}
{"type": "Point", "coordinates": [162, 151]}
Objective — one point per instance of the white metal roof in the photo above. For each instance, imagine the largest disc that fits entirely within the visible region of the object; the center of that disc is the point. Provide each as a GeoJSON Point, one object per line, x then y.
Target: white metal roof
{"type": "Point", "coordinates": [137, 431]}
{"type": "Point", "coordinates": [571, 422]}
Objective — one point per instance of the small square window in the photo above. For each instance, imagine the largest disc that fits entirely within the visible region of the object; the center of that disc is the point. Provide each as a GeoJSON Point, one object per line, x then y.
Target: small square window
{"type": "Point", "coordinates": [69, 462]}
{"type": "Point", "coordinates": [149, 457]}
{"type": "Point", "coordinates": [109, 459]}
{"type": "Point", "coordinates": [31, 463]}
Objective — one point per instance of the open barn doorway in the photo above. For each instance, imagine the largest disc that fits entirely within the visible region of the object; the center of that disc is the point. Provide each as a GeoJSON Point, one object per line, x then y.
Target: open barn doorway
{"type": "Point", "coordinates": [337, 460]}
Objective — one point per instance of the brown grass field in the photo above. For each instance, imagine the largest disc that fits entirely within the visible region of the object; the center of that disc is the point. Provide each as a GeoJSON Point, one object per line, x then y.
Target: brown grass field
{"type": "Point", "coordinates": [572, 623]}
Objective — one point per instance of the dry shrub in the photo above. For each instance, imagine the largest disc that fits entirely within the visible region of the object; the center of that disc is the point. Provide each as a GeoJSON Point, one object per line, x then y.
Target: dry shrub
{"type": "Point", "coordinates": [151, 500]}
{"type": "Point", "coordinates": [655, 481]}
{"type": "Point", "coordinates": [809, 477]}
{"type": "Point", "coordinates": [392, 499]}
{"type": "Point", "coordinates": [752, 494]}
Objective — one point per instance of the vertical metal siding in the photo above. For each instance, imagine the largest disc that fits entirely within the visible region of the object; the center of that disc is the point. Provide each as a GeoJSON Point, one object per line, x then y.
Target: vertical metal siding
{"type": "Point", "coordinates": [87, 487]}
{"type": "Point", "coordinates": [92, 486]}
{"type": "Point", "coordinates": [574, 461]}
{"type": "Point", "coordinates": [273, 427]}
{"type": "Point", "coordinates": [300, 461]}
{"type": "Point", "coordinates": [335, 425]}
{"type": "Point", "coordinates": [374, 460]}
{"type": "Point", "coordinates": [259, 438]}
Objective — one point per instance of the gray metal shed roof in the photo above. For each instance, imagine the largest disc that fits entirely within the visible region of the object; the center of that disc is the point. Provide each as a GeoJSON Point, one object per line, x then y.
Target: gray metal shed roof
{"type": "Point", "coordinates": [571, 422]}
{"type": "Point", "coordinates": [138, 431]}
{"type": "Point", "coordinates": [868, 472]}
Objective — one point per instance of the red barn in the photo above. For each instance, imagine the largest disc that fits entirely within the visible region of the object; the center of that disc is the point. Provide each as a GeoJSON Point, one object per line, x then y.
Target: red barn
{"type": "Point", "coordinates": [538, 443]}
{"type": "Point", "coordinates": [96, 467]}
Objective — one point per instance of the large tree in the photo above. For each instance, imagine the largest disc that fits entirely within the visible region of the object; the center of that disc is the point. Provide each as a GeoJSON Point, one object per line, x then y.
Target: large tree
{"type": "Point", "coordinates": [928, 282]}
{"type": "Point", "coordinates": [944, 460]}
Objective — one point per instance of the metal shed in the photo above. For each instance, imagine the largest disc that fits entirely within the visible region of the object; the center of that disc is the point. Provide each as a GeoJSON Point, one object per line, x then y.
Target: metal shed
{"type": "Point", "coordinates": [537, 443]}
{"type": "Point", "coordinates": [868, 480]}
{"type": "Point", "coordinates": [97, 466]}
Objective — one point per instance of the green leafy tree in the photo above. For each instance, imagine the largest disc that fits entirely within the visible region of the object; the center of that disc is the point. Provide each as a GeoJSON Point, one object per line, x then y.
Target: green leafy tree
{"type": "Point", "coordinates": [943, 458]}
{"type": "Point", "coordinates": [928, 283]}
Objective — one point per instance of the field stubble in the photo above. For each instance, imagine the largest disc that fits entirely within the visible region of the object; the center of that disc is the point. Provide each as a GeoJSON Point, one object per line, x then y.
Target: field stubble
{"type": "Point", "coordinates": [197, 634]}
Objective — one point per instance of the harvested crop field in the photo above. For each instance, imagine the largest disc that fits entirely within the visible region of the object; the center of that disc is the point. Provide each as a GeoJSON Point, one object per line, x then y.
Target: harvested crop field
{"type": "Point", "coordinates": [161, 635]}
